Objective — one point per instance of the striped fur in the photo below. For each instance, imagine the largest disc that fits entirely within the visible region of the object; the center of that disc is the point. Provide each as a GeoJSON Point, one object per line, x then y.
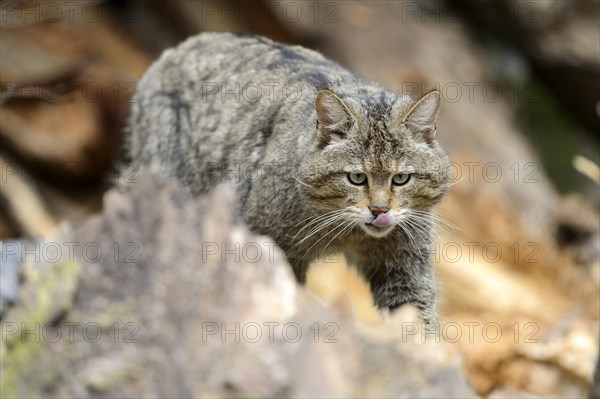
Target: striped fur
{"type": "Point", "coordinates": [199, 115]}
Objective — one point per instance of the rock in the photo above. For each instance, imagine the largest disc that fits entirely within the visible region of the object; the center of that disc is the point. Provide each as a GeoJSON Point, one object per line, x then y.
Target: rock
{"type": "Point", "coordinates": [9, 274]}
{"type": "Point", "coordinates": [173, 296]}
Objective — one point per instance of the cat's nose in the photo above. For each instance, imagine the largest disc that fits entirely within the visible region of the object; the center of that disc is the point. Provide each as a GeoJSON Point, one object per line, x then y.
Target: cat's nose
{"type": "Point", "coordinates": [376, 210]}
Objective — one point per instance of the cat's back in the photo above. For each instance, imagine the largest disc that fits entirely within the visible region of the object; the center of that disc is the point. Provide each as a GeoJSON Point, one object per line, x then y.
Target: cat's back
{"type": "Point", "coordinates": [216, 89]}
{"type": "Point", "coordinates": [238, 65]}
{"type": "Point", "coordinates": [217, 96]}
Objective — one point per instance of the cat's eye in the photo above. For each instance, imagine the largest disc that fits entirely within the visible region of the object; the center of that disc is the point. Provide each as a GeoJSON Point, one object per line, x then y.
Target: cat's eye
{"type": "Point", "coordinates": [357, 178]}
{"type": "Point", "coordinates": [400, 179]}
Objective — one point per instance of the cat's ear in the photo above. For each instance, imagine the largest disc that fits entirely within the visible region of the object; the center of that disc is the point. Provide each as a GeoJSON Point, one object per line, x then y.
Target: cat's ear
{"type": "Point", "coordinates": [334, 118]}
{"type": "Point", "coordinates": [423, 114]}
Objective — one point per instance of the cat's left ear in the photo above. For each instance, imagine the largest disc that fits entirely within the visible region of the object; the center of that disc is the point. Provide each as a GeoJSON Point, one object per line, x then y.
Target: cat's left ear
{"type": "Point", "coordinates": [334, 118]}
{"type": "Point", "coordinates": [423, 114]}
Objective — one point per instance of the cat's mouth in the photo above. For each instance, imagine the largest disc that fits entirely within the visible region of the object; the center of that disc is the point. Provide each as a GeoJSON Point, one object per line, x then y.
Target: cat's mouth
{"type": "Point", "coordinates": [376, 231]}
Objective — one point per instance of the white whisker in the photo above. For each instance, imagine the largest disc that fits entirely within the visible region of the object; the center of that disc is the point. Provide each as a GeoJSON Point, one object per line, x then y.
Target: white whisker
{"type": "Point", "coordinates": [435, 217]}
{"type": "Point", "coordinates": [321, 226]}
{"type": "Point", "coordinates": [304, 184]}
{"type": "Point", "coordinates": [319, 216]}
{"type": "Point", "coordinates": [349, 223]}
{"type": "Point", "coordinates": [435, 225]}
{"type": "Point", "coordinates": [422, 231]}
{"type": "Point", "coordinates": [324, 235]}
{"type": "Point", "coordinates": [318, 219]}
{"type": "Point", "coordinates": [410, 236]}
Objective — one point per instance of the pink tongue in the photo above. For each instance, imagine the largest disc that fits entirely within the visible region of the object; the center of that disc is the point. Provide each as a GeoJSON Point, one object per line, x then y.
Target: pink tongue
{"type": "Point", "coordinates": [382, 220]}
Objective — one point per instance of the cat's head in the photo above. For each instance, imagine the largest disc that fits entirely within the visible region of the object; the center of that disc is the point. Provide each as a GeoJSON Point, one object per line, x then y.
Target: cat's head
{"type": "Point", "coordinates": [377, 166]}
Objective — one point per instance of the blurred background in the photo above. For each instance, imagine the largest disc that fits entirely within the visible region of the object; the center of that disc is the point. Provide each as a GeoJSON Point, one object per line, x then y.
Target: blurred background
{"type": "Point", "coordinates": [520, 119]}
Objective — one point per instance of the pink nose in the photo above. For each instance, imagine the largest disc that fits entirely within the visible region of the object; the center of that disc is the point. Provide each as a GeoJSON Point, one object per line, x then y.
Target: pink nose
{"type": "Point", "coordinates": [382, 220]}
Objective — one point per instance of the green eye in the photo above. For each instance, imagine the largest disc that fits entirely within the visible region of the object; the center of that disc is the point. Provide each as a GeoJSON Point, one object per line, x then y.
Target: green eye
{"type": "Point", "coordinates": [400, 179]}
{"type": "Point", "coordinates": [357, 178]}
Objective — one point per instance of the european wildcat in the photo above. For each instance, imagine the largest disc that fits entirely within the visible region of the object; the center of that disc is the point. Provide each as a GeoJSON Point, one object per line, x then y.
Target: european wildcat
{"type": "Point", "coordinates": [320, 158]}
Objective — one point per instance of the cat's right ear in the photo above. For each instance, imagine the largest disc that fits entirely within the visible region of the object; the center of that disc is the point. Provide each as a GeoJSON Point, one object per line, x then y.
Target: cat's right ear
{"type": "Point", "coordinates": [334, 118]}
{"type": "Point", "coordinates": [423, 114]}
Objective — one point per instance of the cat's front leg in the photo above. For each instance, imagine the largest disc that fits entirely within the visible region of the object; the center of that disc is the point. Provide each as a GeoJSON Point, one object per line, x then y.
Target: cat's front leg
{"type": "Point", "coordinates": [394, 283]}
